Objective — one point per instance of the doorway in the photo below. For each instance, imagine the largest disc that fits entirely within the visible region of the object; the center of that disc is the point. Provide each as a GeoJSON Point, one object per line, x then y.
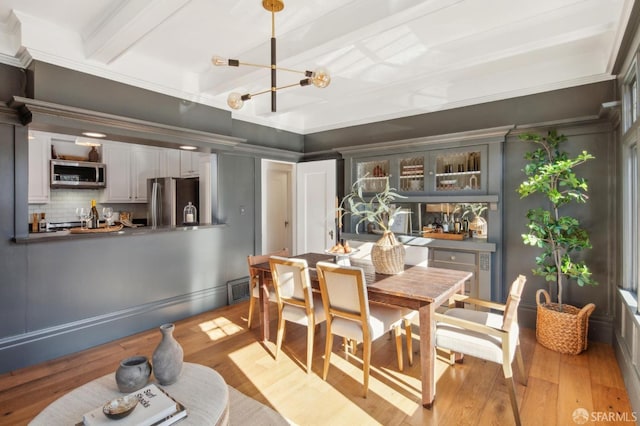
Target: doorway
{"type": "Point", "coordinates": [277, 202]}
{"type": "Point", "coordinates": [298, 206]}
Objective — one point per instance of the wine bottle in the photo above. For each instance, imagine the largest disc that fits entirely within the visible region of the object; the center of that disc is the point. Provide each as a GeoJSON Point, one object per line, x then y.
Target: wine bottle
{"type": "Point", "coordinates": [42, 224]}
{"type": "Point", "coordinates": [445, 223]}
{"type": "Point", "coordinates": [94, 215]}
{"type": "Point", "coordinates": [456, 225]}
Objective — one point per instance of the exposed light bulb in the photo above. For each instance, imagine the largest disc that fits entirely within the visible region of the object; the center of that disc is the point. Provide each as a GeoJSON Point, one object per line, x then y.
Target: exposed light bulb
{"type": "Point", "coordinates": [235, 100]}
{"type": "Point", "coordinates": [320, 77]}
{"type": "Point", "coordinates": [219, 61]}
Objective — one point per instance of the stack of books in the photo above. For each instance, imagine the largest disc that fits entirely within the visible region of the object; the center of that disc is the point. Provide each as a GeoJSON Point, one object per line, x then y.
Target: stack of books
{"type": "Point", "coordinates": [155, 408]}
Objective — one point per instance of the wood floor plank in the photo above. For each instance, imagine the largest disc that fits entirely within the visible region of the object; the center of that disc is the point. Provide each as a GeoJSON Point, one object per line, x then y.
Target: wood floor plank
{"type": "Point", "coordinates": [600, 368]}
{"type": "Point", "coordinates": [574, 391]}
{"type": "Point", "coordinates": [612, 405]}
{"type": "Point", "coordinates": [473, 392]}
{"type": "Point", "coordinates": [545, 364]}
{"type": "Point", "coordinates": [539, 404]}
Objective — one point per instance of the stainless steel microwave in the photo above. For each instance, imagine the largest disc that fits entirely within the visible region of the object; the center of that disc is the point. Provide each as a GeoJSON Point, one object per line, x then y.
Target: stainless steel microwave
{"type": "Point", "coordinates": [78, 174]}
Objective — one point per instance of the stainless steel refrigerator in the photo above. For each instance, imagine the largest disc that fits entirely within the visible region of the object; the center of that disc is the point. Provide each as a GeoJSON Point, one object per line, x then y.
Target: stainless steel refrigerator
{"type": "Point", "coordinates": [167, 198]}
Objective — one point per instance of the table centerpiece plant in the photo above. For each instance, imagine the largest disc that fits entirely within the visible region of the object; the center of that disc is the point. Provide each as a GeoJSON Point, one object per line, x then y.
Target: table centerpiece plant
{"type": "Point", "coordinates": [549, 172]}
{"type": "Point", "coordinates": [387, 254]}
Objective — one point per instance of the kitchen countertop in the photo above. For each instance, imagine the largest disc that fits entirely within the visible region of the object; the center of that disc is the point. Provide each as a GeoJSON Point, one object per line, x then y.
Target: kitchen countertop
{"type": "Point", "coordinates": [65, 235]}
{"type": "Point", "coordinates": [474, 244]}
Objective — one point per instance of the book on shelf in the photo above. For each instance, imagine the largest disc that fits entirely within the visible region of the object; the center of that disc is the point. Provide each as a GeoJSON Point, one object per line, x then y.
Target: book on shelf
{"type": "Point", "coordinates": [155, 408]}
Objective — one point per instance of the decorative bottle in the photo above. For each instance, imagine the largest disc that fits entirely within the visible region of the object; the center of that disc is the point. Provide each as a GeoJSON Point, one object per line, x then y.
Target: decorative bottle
{"type": "Point", "coordinates": [189, 214]}
{"type": "Point", "coordinates": [42, 224]}
{"type": "Point", "coordinates": [456, 225]}
{"type": "Point", "coordinates": [94, 215]}
{"type": "Point", "coordinates": [445, 223]}
{"type": "Point", "coordinates": [93, 155]}
{"type": "Point", "coordinates": [167, 357]}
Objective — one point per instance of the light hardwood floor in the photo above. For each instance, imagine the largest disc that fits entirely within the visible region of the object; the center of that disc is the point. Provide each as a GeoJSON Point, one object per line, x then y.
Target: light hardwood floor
{"type": "Point", "coordinates": [472, 393]}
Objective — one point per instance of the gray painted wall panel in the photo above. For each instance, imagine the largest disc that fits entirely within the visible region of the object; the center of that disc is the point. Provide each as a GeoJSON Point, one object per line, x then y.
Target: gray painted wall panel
{"type": "Point", "coordinates": [267, 136]}
{"type": "Point", "coordinates": [542, 107]}
{"type": "Point", "coordinates": [72, 88]}
{"type": "Point", "coordinates": [13, 260]}
{"type": "Point", "coordinates": [14, 82]}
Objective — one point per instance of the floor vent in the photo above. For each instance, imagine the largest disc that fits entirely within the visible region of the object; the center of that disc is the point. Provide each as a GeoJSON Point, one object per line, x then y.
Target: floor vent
{"type": "Point", "coordinates": [238, 290]}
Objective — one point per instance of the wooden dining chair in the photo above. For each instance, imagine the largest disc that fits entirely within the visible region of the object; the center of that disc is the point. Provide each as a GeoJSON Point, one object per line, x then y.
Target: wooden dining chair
{"type": "Point", "coordinates": [296, 301]}
{"type": "Point", "coordinates": [486, 335]}
{"type": "Point", "coordinates": [254, 279]}
{"type": "Point", "coordinates": [349, 314]}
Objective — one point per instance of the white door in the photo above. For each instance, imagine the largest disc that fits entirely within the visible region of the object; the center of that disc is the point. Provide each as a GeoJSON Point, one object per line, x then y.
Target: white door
{"type": "Point", "coordinates": [315, 206]}
{"type": "Point", "coordinates": [277, 223]}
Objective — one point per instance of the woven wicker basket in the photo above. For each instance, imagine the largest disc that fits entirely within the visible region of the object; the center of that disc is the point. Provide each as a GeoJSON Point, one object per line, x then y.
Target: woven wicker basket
{"type": "Point", "coordinates": [562, 331]}
{"type": "Point", "coordinates": [387, 255]}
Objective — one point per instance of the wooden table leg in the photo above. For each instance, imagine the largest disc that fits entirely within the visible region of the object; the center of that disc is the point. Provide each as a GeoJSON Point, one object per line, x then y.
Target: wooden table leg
{"type": "Point", "coordinates": [264, 307]}
{"type": "Point", "coordinates": [427, 354]}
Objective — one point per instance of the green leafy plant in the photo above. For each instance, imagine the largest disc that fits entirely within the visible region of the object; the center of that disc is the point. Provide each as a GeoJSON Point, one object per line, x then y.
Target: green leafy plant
{"type": "Point", "coordinates": [550, 173]}
{"type": "Point", "coordinates": [378, 209]}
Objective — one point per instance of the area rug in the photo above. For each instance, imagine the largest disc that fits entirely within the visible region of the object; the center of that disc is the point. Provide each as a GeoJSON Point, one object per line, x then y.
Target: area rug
{"type": "Point", "coordinates": [247, 411]}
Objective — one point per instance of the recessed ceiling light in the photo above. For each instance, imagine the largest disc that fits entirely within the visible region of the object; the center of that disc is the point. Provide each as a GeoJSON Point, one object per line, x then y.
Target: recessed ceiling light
{"type": "Point", "coordinates": [94, 134]}
{"type": "Point", "coordinates": [188, 147]}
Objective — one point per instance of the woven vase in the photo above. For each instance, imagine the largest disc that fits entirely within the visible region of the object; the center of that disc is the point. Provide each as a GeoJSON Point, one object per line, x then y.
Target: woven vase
{"type": "Point", "coordinates": [562, 331]}
{"type": "Point", "coordinates": [387, 255]}
{"type": "Point", "coordinates": [168, 357]}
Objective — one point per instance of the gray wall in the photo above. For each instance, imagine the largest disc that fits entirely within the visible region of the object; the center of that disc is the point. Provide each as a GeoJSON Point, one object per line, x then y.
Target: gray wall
{"type": "Point", "coordinates": [581, 101]}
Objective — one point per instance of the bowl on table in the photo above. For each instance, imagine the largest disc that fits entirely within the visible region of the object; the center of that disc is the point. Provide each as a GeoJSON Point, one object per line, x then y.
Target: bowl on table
{"type": "Point", "coordinates": [120, 407]}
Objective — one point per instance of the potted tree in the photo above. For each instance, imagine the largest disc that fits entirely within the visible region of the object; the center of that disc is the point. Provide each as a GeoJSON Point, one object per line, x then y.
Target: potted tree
{"type": "Point", "coordinates": [549, 172]}
{"type": "Point", "coordinates": [387, 254]}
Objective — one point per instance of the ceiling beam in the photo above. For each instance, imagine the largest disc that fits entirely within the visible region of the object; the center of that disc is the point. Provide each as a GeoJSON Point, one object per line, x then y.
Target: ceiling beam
{"type": "Point", "coordinates": [125, 26]}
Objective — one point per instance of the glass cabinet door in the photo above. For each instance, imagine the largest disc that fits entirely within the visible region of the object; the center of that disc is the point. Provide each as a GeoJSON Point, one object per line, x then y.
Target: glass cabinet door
{"type": "Point", "coordinates": [373, 173]}
{"type": "Point", "coordinates": [411, 174]}
{"type": "Point", "coordinates": [460, 170]}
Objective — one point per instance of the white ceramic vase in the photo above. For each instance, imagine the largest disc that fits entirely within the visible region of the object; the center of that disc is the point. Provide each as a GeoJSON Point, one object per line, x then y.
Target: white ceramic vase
{"type": "Point", "coordinates": [167, 357]}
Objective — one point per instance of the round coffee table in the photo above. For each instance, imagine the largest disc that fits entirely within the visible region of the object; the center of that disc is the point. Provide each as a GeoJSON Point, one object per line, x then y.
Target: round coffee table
{"type": "Point", "coordinates": [200, 389]}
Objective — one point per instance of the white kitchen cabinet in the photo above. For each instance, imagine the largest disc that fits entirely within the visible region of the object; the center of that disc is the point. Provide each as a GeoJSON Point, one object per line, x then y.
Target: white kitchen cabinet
{"type": "Point", "coordinates": [170, 162]}
{"type": "Point", "coordinates": [39, 156]}
{"type": "Point", "coordinates": [128, 168]}
{"type": "Point", "coordinates": [145, 165]}
{"type": "Point", "coordinates": [189, 163]}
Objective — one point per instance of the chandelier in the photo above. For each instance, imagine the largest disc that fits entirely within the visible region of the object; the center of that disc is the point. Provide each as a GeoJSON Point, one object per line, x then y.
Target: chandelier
{"type": "Point", "coordinates": [319, 78]}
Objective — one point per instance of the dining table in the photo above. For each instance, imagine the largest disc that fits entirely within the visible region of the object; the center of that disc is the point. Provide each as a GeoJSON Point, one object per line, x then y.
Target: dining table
{"type": "Point", "coordinates": [418, 287]}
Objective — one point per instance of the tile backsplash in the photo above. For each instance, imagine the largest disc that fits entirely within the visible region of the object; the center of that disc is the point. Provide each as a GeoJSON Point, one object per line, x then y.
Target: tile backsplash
{"type": "Point", "coordinates": [63, 203]}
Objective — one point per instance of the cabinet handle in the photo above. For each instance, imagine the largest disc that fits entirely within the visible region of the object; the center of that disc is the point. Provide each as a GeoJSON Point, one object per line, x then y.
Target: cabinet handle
{"type": "Point", "coordinates": [453, 258]}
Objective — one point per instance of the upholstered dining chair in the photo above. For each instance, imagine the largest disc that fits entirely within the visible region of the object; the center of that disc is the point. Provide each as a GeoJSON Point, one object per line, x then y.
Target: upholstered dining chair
{"type": "Point", "coordinates": [486, 335]}
{"type": "Point", "coordinates": [254, 279]}
{"type": "Point", "coordinates": [349, 314]}
{"type": "Point", "coordinates": [296, 302]}
{"type": "Point", "coordinates": [414, 256]}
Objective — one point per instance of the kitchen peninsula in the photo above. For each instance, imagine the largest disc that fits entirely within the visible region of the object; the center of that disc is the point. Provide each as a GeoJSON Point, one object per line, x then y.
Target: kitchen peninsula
{"type": "Point", "coordinates": [65, 235]}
